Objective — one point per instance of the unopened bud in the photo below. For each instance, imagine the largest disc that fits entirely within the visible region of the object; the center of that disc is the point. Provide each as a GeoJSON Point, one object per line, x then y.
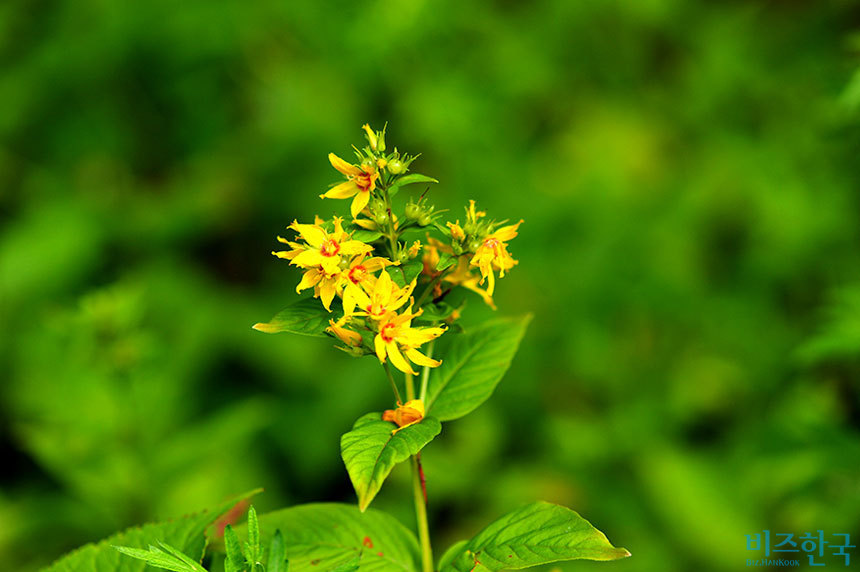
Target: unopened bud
{"type": "Point", "coordinates": [395, 167]}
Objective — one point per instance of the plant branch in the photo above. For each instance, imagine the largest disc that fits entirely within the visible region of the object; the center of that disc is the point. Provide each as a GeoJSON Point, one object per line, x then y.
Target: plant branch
{"type": "Point", "coordinates": [391, 380]}
{"type": "Point", "coordinates": [425, 375]}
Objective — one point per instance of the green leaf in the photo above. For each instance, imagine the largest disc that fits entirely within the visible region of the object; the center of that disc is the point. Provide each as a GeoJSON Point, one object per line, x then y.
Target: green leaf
{"type": "Point", "coordinates": [453, 552]}
{"type": "Point", "coordinates": [159, 558]}
{"type": "Point", "coordinates": [539, 533]}
{"type": "Point", "coordinates": [409, 179]}
{"type": "Point", "coordinates": [252, 547]}
{"type": "Point", "coordinates": [321, 537]}
{"type": "Point", "coordinates": [278, 554]}
{"type": "Point", "coordinates": [366, 236]}
{"type": "Point", "coordinates": [370, 451]}
{"type": "Point", "coordinates": [187, 535]}
{"type": "Point", "coordinates": [307, 317]}
{"type": "Point", "coordinates": [435, 312]}
{"type": "Point", "coordinates": [412, 269]}
{"type": "Point", "coordinates": [445, 260]}
{"type": "Point", "coordinates": [350, 566]}
{"type": "Point", "coordinates": [235, 561]}
{"type": "Point", "coordinates": [473, 366]}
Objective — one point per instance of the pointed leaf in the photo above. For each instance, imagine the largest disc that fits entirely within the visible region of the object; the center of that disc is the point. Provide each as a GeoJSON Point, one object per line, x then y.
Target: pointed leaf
{"type": "Point", "coordinates": [445, 260]}
{"type": "Point", "coordinates": [409, 179]}
{"type": "Point", "coordinates": [473, 366]}
{"type": "Point", "coordinates": [370, 450]}
{"type": "Point", "coordinates": [321, 537]}
{"type": "Point", "coordinates": [307, 317]}
{"type": "Point", "coordinates": [235, 560]}
{"type": "Point", "coordinates": [539, 533]}
{"type": "Point", "coordinates": [365, 235]}
{"type": "Point", "coordinates": [187, 534]}
{"type": "Point", "coordinates": [277, 554]}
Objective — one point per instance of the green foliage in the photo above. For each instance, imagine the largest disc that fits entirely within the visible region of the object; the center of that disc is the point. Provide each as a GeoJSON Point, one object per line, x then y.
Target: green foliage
{"type": "Point", "coordinates": [163, 556]}
{"type": "Point", "coordinates": [410, 179]}
{"type": "Point", "coordinates": [306, 317]}
{"type": "Point", "coordinates": [324, 536]}
{"type": "Point", "coordinates": [474, 365]}
{"type": "Point", "coordinates": [372, 449]}
{"type": "Point", "coordinates": [539, 533]}
{"type": "Point", "coordinates": [277, 559]}
{"type": "Point", "coordinates": [187, 535]}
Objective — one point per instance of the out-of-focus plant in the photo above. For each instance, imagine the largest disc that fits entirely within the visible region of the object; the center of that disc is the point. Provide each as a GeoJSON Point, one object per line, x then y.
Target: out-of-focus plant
{"type": "Point", "coordinates": [380, 292]}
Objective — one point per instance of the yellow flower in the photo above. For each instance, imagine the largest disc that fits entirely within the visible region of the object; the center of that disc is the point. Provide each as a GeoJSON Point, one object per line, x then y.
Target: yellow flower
{"type": "Point", "coordinates": [457, 231]}
{"type": "Point", "coordinates": [414, 249]}
{"type": "Point", "coordinates": [472, 215]}
{"type": "Point", "coordinates": [358, 276]}
{"type": "Point", "coordinates": [493, 254]}
{"type": "Point", "coordinates": [360, 182]}
{"type": "Point", "coordinates": [350, 338]}
{"type": "Point", "coordinates": [461, 275]}
{"type": "Point", "coordinates": [397, 337]}
{"type": "Point", "coordinates": [324, 285]}
{"type": "Point", "coordinates": [371, 136]}
{"type": "Point", "coordinates": [382, 297]}
{"type": "Point", "coordinates": [322, 249]}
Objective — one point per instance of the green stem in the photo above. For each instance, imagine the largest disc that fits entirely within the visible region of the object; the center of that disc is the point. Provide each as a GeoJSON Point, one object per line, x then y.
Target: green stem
{"type": "Point", "coordinates": [421, 515]}
{"type": "Point", "coordinates": [425, 375]}
{"type": "Point", "coordinates": [391, 380]}
{"type": "Point", "coordinates": [392, 234]}
{"type": "Point", "coordinates": [428, 289]}
{"type": "Point", "coordinates": [420, 497]}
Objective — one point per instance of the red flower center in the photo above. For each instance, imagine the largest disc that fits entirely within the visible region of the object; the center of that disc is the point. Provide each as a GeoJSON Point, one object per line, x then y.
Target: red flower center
{"type": "Point", "coordinates": [387, 332]}
{"type": "Point", "coordinates": [329, 247]}
{"type": "Point", "coordinates": [357, 274]}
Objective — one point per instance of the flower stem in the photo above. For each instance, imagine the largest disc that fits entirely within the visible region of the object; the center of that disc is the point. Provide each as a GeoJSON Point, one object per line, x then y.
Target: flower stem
{"type": "Point", "coordinates": [419, 493]}
{"type": "Point", "coordinates": [391, 380]}
{"type": "Point", "coordinates": [425, 375]}
{"type": "Point", "coordinates": [392, 235]}
{"type": "Point", "coordinates": [428, 289]}
{"type": "Point", "coordinates": [420, 498]}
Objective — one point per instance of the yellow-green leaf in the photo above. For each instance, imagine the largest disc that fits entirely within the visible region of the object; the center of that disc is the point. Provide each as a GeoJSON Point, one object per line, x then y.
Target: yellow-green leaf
{"type": "Point", "coordinates": [473, 366]}
{"type": "Point", "coordinates": [538, 533]}
{"type": "Point", "coordinates": [370, 450]}
{"type": "Point", "coordinates": [307, 317]}
{"type": "Point", "coordinates": [321, 537]}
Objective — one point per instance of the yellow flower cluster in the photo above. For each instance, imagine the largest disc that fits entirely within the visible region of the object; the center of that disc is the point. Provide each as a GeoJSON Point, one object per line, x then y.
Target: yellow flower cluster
{"type": "Point", "coordinates": [377, 311]}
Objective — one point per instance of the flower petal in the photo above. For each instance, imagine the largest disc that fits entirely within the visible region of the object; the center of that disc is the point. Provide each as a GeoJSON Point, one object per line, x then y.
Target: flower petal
{"type": "Point", "coordinates": [343, 166]}
{"type": "Point", "coordinates": [359, 202]}
{"type": "Point", "coordinates": [341, 191]}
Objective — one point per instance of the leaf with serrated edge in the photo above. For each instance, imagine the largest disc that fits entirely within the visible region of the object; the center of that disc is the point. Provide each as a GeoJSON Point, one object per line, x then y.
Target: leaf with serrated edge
{"type": "Point", "coordinates": [538, 533]}
{"type": "Point", "coordinates": [320, 537]}
{"type": "Point", "coordinates": [306, 317]}
{"type": "Point", "coordinates": [187, 534]}
{"type": "Point", "coordinates": [277, 554]}
{"type": "Point", "coordinates": [370, 450]}
{"type": "Point", "coordinates": [473, 366]}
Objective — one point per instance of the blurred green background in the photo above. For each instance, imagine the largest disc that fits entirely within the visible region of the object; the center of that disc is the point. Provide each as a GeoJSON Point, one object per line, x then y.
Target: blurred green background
{"type": "Point", "coordinates": [688, 173]}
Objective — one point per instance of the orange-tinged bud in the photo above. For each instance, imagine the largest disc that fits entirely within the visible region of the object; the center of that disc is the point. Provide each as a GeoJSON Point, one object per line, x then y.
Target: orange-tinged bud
{"type": "Point", "coordinates": [406, 414]}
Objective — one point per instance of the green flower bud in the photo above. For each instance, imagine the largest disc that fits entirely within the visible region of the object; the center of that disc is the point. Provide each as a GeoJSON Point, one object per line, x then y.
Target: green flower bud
{"type": "Point", "coordinates": [395, 167]}
{"type": "Point", "coordinates": [377, 206]}
{"type": "Point", "coordinates": [381, 218]}
{"type": "Point", "coordinates": [413, 211]}
{"type": "Point", "coordinates": [424, 219]}
{"type": "Point", "coordinates": [474, 244]}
